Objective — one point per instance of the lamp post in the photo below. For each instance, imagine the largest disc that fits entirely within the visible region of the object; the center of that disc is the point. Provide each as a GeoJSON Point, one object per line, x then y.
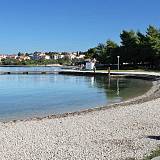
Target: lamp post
{"type": "Point", "coordinates": [118, 62]}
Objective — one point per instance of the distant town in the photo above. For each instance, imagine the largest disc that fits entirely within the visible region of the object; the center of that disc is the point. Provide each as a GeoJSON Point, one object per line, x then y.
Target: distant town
{"type": "Point", "coordinates": [42, 58]}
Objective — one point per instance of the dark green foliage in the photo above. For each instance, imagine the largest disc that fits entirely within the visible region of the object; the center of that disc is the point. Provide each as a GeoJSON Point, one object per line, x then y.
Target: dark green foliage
{"type": "Point", "coordinates": [10, 61]}
{"type": "Point", "coordinates": [65, 61]}
{"type": "Point", "coordinates": [136, 49]}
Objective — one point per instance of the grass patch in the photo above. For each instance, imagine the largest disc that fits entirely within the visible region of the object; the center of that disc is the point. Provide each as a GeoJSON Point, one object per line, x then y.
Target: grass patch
{"type": "Point", "coordinates": [153, 154]}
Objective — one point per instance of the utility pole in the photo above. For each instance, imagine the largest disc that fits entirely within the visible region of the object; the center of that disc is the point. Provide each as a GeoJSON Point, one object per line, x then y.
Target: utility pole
{"type": "Point", "coordinates": [118, 62]}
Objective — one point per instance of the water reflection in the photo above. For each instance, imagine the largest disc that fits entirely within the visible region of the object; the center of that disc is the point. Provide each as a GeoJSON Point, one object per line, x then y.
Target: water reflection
{"type": "Point", "coordinates": [28, 95]}
{"type": "Point", "coordinates": [109, 82]}
{"type": "Point", "coordinates": [92, 81]}
{"type": "Point", "coordinates": [118, 87]}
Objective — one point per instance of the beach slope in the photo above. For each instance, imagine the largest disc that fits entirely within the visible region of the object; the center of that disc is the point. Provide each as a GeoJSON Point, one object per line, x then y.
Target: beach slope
{"type": "Point", "coordinates": [117, 133]}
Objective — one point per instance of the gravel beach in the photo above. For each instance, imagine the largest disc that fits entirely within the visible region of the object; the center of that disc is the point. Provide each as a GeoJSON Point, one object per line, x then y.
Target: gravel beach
{"type": "Point", "coordinates": [118, 133]}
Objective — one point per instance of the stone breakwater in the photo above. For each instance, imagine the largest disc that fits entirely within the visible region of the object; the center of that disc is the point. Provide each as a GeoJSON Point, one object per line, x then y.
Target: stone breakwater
{"type": "Point", "coordinates": [116, 133]}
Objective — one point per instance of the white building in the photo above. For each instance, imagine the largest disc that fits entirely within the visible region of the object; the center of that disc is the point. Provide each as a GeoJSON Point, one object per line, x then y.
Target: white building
{"type": "Point", "coordinates": [72, 56]}
{"type": "Point", "coordinates": [47, 57]}
{"type": "Point", "coordinates": [90, 65]}
{"type": "Point", "coordinates": [60, 56]}
{"type": "Point", "coordinates": [36, 55]}
{"type": "Point", "coordinates": [39, 55]}
{"type": "Point", "coordinates": [23, 58]}
{"type": "Point", "coordinates": [56, 56]}
{"type": "Point", "coordinates": [2, 57]}
{"type": "Point", "coordinates": [81, 56]}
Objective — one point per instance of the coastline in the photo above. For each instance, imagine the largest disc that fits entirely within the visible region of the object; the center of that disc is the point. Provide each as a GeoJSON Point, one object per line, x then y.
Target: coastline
{"type": "Point", "coordinates": [117, 131]}
{"type": "Point", "coordinates": [151, 94]}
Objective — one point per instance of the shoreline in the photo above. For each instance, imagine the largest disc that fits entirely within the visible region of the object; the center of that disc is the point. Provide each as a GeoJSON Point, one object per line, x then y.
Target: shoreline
{"type": "Point", "coordinates": [148, 96]}
{"type": "Point", "coordinates": [151, 94]}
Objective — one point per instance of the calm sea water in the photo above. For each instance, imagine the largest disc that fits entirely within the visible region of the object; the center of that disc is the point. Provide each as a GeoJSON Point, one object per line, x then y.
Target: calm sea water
{"type": "Point", "coordinates": [24, 96]}
{"type": "Point", "coordinates": [27, 68]}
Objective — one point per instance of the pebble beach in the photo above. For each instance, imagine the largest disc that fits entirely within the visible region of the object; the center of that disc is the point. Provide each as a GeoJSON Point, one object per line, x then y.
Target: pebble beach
{"type": "Point", "coordinates": [115, 133]}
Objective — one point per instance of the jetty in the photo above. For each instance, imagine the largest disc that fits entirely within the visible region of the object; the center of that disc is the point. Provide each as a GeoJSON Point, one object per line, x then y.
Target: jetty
{"type": "Point", "coordinates": [129, 74]}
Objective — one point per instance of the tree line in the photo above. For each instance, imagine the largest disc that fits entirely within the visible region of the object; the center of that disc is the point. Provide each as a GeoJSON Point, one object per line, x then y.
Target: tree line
{"type": "Point", "coordinates": [12, 61]}
{"type": "Point", "coordinates": [136, 49]}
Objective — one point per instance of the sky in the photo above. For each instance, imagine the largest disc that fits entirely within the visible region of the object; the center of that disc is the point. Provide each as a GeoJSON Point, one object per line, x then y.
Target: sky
{"type": "Point", "coordinates": [70, 25]}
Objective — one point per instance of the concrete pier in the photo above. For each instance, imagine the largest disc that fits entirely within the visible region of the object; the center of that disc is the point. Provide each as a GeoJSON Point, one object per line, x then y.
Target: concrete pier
{"type": "Point", "coordinates": [143, 75]}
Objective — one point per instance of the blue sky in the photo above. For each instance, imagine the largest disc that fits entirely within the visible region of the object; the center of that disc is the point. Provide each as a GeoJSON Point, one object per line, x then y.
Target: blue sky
{"type": "Point", "coordinates": [70, 25]}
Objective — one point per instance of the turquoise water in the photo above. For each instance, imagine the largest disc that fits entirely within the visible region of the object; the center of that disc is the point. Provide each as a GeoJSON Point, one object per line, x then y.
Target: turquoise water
{"type": "Point", "coordinates": [24, 96]}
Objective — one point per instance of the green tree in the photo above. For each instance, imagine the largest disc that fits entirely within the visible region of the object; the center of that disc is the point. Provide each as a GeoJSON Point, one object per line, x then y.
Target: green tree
{"type": "Point", "coordinates": [111, 51]}
{"type": "Point", "coordinates": [101, 53]}
{"type": "Point", "coordinates": [91, 53]}
{"type": "Point", "coordinates": [129, 49]}
{"type": "Point", "coordinates": [144, 49]}
{"type": "Point", "coordinates": [153, 36]}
